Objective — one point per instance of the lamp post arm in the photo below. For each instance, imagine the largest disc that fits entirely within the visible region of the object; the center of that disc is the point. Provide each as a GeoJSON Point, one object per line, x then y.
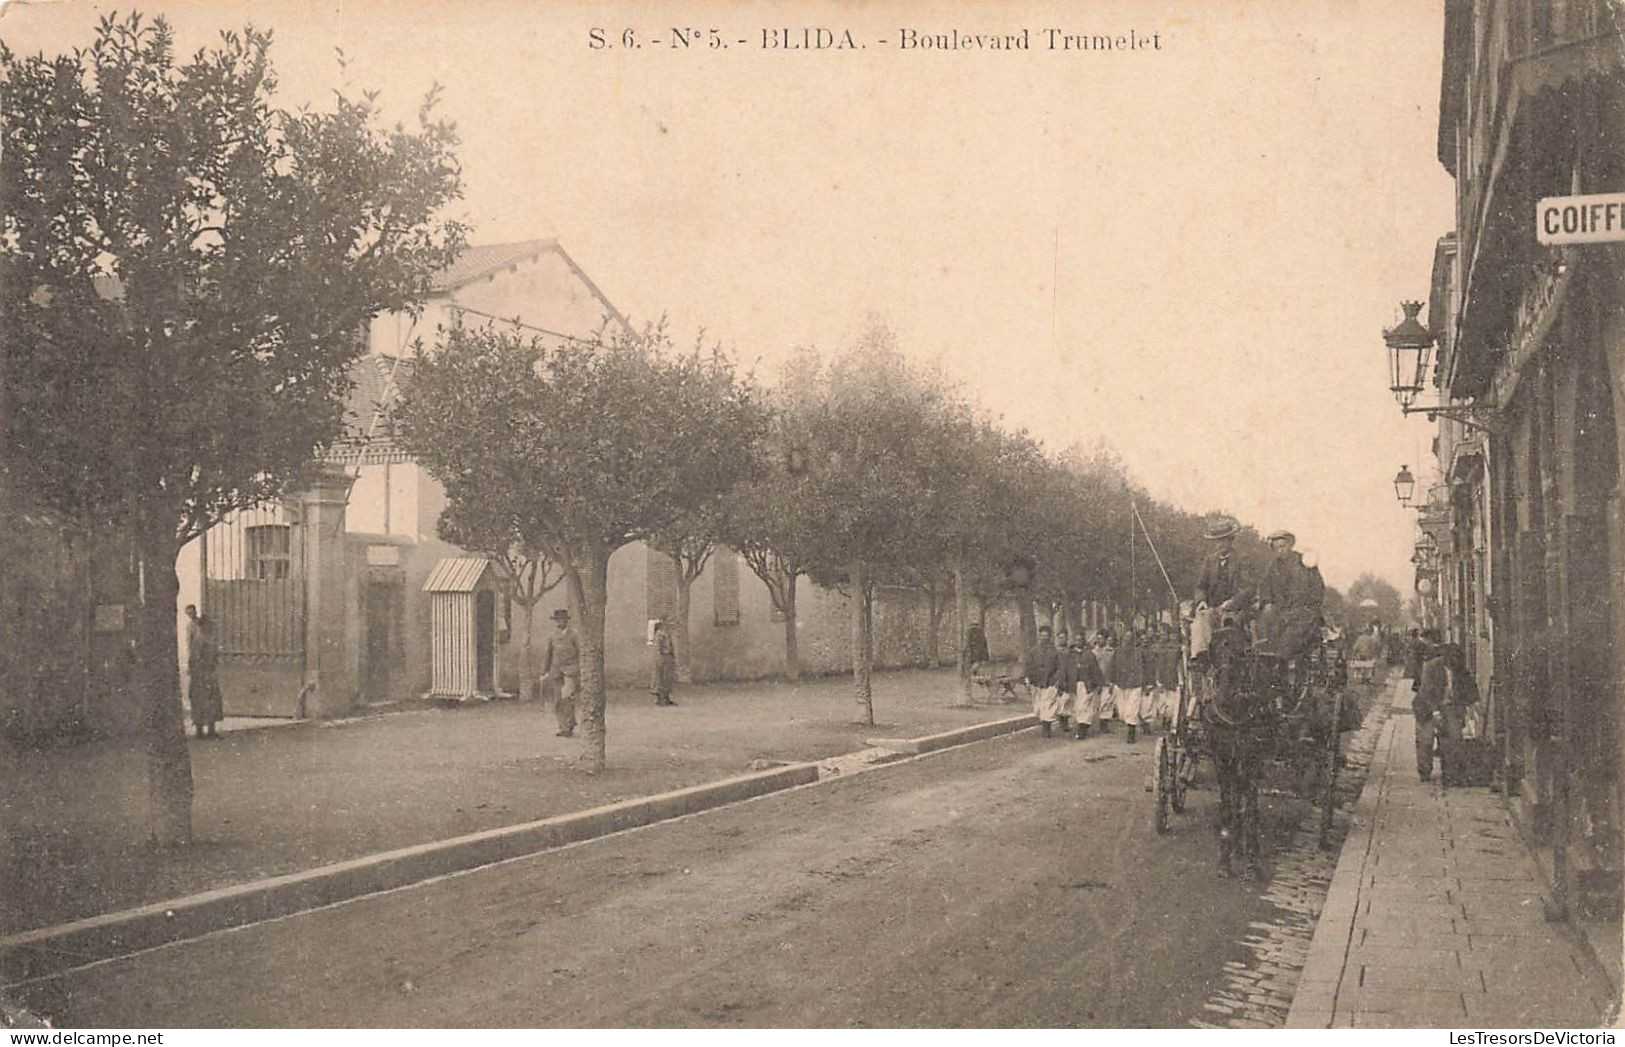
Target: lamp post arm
{"type": "Point", "coordinates": [1469, 415]}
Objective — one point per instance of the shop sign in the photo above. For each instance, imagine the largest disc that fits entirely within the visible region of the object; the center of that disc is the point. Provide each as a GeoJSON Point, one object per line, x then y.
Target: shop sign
{"type": "Point", "coordinates": [1594, 219]}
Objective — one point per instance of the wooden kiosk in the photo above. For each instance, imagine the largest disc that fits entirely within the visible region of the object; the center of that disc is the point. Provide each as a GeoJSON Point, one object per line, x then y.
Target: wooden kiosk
{"type": "Point", "coordinates": [465, 592]}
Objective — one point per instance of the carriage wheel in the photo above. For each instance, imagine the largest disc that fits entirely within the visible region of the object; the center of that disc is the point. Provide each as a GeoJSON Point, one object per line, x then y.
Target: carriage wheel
{"type": "Point", "coordinates": [1328, 800]}
{"type": "Point", "coordinates": [1163, 785]}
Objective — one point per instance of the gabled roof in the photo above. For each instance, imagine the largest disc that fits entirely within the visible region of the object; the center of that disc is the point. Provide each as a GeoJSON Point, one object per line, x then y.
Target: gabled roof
{"type": "Point", "coordinates": [486, 260]}
{"type": "Point", "coordinates": [368, 434]}
{"type": "Point", "coordinates": [457, 574]}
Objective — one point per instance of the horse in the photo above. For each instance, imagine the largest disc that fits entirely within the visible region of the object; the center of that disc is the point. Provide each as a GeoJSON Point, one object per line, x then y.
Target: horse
{"type": "Point", "coordinates": [1239, 721]}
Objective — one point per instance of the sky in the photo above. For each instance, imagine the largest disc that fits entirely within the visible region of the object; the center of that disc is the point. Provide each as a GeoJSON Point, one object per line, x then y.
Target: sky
{"type": "Point", "coordinates": [1188, 251]}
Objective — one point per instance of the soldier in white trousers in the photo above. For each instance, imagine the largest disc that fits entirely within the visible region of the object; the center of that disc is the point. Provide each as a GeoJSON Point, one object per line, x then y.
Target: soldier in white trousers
{"type": "Point", "coordinates": [1043, 671]}
{"type": "Point", "coordinates": [1128, 678]}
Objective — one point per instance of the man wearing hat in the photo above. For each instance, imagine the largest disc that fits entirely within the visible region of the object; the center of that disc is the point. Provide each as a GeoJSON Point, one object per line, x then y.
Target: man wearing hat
{"type": "Point", "coordinates": [1290, 594]}
{"type": "Point", "coordinates": [562, 665]}
{"type": "Point", "coordinates": [1219, 585]}
{"type": "Point", "coordinates": [663, 670]}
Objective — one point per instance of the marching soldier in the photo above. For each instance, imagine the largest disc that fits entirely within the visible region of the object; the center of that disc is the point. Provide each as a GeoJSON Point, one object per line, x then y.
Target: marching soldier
{"type": "Point", "coordinates": [1043, 669]}
{"type": "Point", "coordinates": [1066, 680]}
{"type": "Point", "coordinates": [1088, 676]}
{"type": "Point", "coordinates": [1128, 679]}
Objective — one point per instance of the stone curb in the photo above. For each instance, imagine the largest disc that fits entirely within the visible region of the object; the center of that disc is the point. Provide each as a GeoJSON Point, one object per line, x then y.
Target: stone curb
{"type": "Point", "coordinates": [957, 736]}
{"type": "Point", "coordinates": [48, 950]}
{"type": "Point", "coordinates": [1315, 998]}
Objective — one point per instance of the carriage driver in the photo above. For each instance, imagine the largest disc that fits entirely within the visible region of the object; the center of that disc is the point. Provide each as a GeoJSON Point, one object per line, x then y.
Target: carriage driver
{"type": "Point", "coordinates": [1290, 597]}
{"type": "Point", "coordinates": [1220, 585]}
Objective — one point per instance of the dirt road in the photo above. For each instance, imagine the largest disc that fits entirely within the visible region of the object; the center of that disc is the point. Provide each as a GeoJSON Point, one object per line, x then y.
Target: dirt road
{"type": "Point", "coordinates": [1011, 883]}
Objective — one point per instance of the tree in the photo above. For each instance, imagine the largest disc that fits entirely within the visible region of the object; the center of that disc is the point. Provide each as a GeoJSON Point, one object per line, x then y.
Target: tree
{"type": "Point", "coordinates": [184, 272]}
{"type": "Point", "coordinates": [624, 436]}
{"type": "Point", "coordinates": [689, 542]}
{"type": "Point", "coordinates": [770, 521]}
{"type": "Point", "coordinates": [1390, 605]}
{"type": "Point", "coordinates": [873, 449]}
{"type": "Point", "coordinates": [775, 518]}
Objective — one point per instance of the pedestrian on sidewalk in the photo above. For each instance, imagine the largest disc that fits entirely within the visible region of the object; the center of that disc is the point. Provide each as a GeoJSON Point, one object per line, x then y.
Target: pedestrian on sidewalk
{"type": "Point", "coordinates": [1090, 684]}
{"type": "Point", "coordinates": [1447, 692]}
{"type": "Point", "coordinates": [1128, 679]}
{"type": "Point", "coordinates": [976, 652]}
{"type": "Point", "coordinates": [1043, 669]}
{"type": "Point", "coordinates": [202, 677]}
{"type": "Point", "coordinates": [562, 665]}
{"type": "Point", "coordinates": [663, 671]}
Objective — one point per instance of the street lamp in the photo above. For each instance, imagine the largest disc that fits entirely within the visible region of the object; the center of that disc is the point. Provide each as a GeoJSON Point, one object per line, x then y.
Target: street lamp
{"type": "Point", "coordinates": [1408, 346]}
{"type": "Point", "coordinates": [1404, 485]}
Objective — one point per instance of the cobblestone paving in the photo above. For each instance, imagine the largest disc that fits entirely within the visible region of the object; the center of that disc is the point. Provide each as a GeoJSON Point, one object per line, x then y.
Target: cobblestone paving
{"type": "Point", "coordinates": [1257, 991]}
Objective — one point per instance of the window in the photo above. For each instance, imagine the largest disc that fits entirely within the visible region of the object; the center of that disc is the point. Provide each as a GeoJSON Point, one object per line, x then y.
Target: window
{"type": "Point", "coordinates": [267, 549]}
{"type": "Point", "coordinates": [725, 579]}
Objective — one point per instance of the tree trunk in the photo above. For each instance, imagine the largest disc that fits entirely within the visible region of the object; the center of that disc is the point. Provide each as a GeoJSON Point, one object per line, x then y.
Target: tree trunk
{"type": "Point", "coordinates": [862, 644]}
{"type": "Point", "coordinates": [792, 657]}
{"type": "Point", "coordinates": [961, 628]}
{"type": "Point", "coordinates": [1029, 619]}
{"type": "Point", "coordinates": [589, 578]}
{"type": "Point", "coordinates": [679, 632]}
{"type": "Point", "coordinates": [529, 684]}
{"type": "Point", "coordinates": [169, 761]}
{"type": "Point", "coordinates": [934, 608]}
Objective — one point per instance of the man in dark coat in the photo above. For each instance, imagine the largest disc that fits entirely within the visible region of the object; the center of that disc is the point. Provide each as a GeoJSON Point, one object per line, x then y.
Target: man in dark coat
{"type": "Point", "coordinates": [1097, 706]}
{"type": "Point", "coordinates": [1220, 582]}
{"type": "Point", "coordinates": [1219, 586]}
{"type": "Point", "coordinates": [1446, 693]}
{"type": "Point", "coordinates": [1128, 679]}
{"type": "Point", "coordinates": [1043, 669]}
{"type": "Point", "coordinates": [1290, 595]}
{"type": "Point", "coordinates": [1086, 674]}
{"type": "Point", "coordinates": [1066, 680]}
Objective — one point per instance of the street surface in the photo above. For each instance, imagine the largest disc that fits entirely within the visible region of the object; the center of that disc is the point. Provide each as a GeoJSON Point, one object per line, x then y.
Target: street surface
{"type": "Point", "coordinates": [1016, 882]}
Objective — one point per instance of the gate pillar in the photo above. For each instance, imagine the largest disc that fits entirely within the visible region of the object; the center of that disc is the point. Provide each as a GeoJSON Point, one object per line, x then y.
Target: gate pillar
{"type": "Point", "coordinates": [330, 684]}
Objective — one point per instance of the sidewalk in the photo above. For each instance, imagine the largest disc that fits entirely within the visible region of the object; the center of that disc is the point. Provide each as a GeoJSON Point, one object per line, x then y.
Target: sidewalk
{"type": "Point", "coordinates": [1434, 918]}
{"type": "Point", "coordinates": [276, 801]}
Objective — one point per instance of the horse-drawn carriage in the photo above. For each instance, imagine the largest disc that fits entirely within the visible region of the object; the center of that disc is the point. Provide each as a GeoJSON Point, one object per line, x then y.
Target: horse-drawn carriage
{"type": "Point", "coordinates": [1255, 716]}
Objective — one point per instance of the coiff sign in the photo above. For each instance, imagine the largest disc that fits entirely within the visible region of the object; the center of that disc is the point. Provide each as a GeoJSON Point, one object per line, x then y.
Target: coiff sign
{"type": "Point", "coordinates": [1595, 219]}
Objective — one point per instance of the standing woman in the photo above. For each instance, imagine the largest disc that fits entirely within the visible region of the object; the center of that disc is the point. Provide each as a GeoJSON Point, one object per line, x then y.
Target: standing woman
{"type": "Point", "coordinates": [202, 681]}
{"type": "Point", "coordinates": [663, 673]}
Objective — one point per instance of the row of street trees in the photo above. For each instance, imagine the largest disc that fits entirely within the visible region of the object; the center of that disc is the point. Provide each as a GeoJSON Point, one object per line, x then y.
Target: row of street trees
{"type": "Point", "coordinates": [855, 472]}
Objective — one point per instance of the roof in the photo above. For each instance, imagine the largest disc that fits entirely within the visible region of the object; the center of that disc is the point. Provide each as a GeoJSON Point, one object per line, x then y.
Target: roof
{"type": "Point", "coordinates": [457, 574]}
{"type": "Point", "coordinates": [368, 431]}
{"type": "Point", "coordinates": [485, 260]}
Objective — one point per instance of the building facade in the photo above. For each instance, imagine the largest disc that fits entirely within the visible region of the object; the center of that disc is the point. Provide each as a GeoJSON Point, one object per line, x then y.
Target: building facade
{"type": "Point", "coordinates": [1531, 538]}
